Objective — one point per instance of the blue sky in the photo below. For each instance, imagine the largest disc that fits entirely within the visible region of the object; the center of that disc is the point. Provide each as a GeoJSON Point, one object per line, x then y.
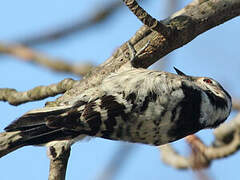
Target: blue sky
{"type": "Point", "coordinates": [213, 54]}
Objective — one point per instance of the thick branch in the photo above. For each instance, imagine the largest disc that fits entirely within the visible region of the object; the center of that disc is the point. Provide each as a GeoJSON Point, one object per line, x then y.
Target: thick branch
{"type": "Point", "coordinates": [30, 55]}
{"type": "Point", "coordinates": [37, 93]}
{"type": "Point", "coordinates": [185, 26]}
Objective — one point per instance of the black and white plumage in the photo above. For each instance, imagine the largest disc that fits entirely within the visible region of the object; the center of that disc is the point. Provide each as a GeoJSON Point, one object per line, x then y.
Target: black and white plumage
{"type": "Point", "coordinates": [138, 105]}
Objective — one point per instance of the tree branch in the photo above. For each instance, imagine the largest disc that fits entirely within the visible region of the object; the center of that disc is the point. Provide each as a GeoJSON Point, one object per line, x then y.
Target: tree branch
{"type": "Point", "coordinates": [37, 93]}
{"type": "Point", "coordinates": [117, 161]}
{"type": "Point", "coordinates": [185, 26]}
{"type": "Point", "coordinates": [172, 157]}
{"type": "Point", "coordinates": [30, 55]}
{"type": "Point", "coordinates": [59, 155]}
{"type": "Point", "coordinates": [146, 18]}
{"type": "Point", "coordinates": [226, 143]}
{"type": "Point", "coordinates": [216, 152]}
{"type": "Point", "coordinates": [6, 140]}
{"type": "Point", "coordinates": [76, 26]}
{"type": "Point", "coordinates": [224, 134]}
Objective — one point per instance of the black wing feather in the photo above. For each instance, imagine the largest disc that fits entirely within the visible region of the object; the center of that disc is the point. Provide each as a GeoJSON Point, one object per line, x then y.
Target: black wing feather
{"type": "Point", "coordinates": [32, 120]}
{"type": "Point", "coordinates": [35, 131]}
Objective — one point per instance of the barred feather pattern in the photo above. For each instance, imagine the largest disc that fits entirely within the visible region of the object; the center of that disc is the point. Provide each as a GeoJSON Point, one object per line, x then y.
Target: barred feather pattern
{"type": "Point", "coordinates": [138, 105]}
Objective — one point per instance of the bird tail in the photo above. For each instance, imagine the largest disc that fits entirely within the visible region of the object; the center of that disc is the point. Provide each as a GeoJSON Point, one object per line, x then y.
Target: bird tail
{"type": "Point", "coordinates": [35, 128]}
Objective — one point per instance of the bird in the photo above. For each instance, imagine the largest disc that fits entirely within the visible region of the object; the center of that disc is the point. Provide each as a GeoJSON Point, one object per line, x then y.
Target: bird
{"type": "Point", "coordinates": [136, 105]}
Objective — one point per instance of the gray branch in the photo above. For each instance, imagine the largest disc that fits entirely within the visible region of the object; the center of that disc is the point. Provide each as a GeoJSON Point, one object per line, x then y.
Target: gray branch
{"type": "Point", "coordinates": [37, 93]}
{"type": "Point", "coordinates": [78, 25]}
{"type": "Point", "coordinates": [226, 143]}
{"type": "Point", "coordinates": [184, 26]}
{"type": "Point", "coordinates": [59, 155]}
{"type": "Point", "coordinates": [55, 64]}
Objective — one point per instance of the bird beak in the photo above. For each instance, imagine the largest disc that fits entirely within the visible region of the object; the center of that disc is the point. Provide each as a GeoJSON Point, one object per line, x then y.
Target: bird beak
{"type": "Point", "coordinates": [179, 72]}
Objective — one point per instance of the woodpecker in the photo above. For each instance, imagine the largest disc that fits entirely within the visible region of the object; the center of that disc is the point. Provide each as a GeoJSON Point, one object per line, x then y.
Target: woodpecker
{"type": "Point", "coordinates": [137, 105]}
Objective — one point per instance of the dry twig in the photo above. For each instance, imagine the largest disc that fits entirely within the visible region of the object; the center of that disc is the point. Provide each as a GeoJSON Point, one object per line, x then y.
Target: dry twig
{"type": "Point", "coordinates": [185, 26]}
{"type": "Point", "coordinates": [203, 155]}
{"type": "Point", "coordinates": [76, 26]}
{"type": "Point", "coordinates": [146, 18]}
{"type": "Point", "coordinates": [30, 55]}
{"type": "Point", "coordinates": [37, 93]}
{"type": "Point", "coordinates": [116, 162]}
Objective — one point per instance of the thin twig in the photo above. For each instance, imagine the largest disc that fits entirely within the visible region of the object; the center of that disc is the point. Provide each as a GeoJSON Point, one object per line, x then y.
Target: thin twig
{"type": "Point", "coordinates": [185, 27]}
{"type": "Point", "coordinates": [116, 162]}
{"type": "Point", "coordinates": [203, 155]}
{"type": "Point", "coordinates": [146, 18]}
{"type": "Point", "coordinates": [37, 93]}
{"type": "Point", "coordinates": [76, 26]}
{"type": "Point", "coordinates": [198, 159]}
{"type": "Point", "coordinates": [171, 157]}
{"type": "Point", "coordinates": [30, 55]}
{"type": "Point", "coordinates": [225, 132]}
{"type": "Point", "coordinates": [211, 153]}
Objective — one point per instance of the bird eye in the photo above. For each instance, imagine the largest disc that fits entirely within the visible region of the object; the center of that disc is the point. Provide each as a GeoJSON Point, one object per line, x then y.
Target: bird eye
{"type": "Point", "coordinates": [208, 81]}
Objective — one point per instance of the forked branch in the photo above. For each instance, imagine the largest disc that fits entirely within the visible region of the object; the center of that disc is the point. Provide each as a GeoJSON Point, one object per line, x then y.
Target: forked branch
{"type": "Point", "coordinates": [184, 26]}
{"type": "Point", "coordinates": [146, 18]}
